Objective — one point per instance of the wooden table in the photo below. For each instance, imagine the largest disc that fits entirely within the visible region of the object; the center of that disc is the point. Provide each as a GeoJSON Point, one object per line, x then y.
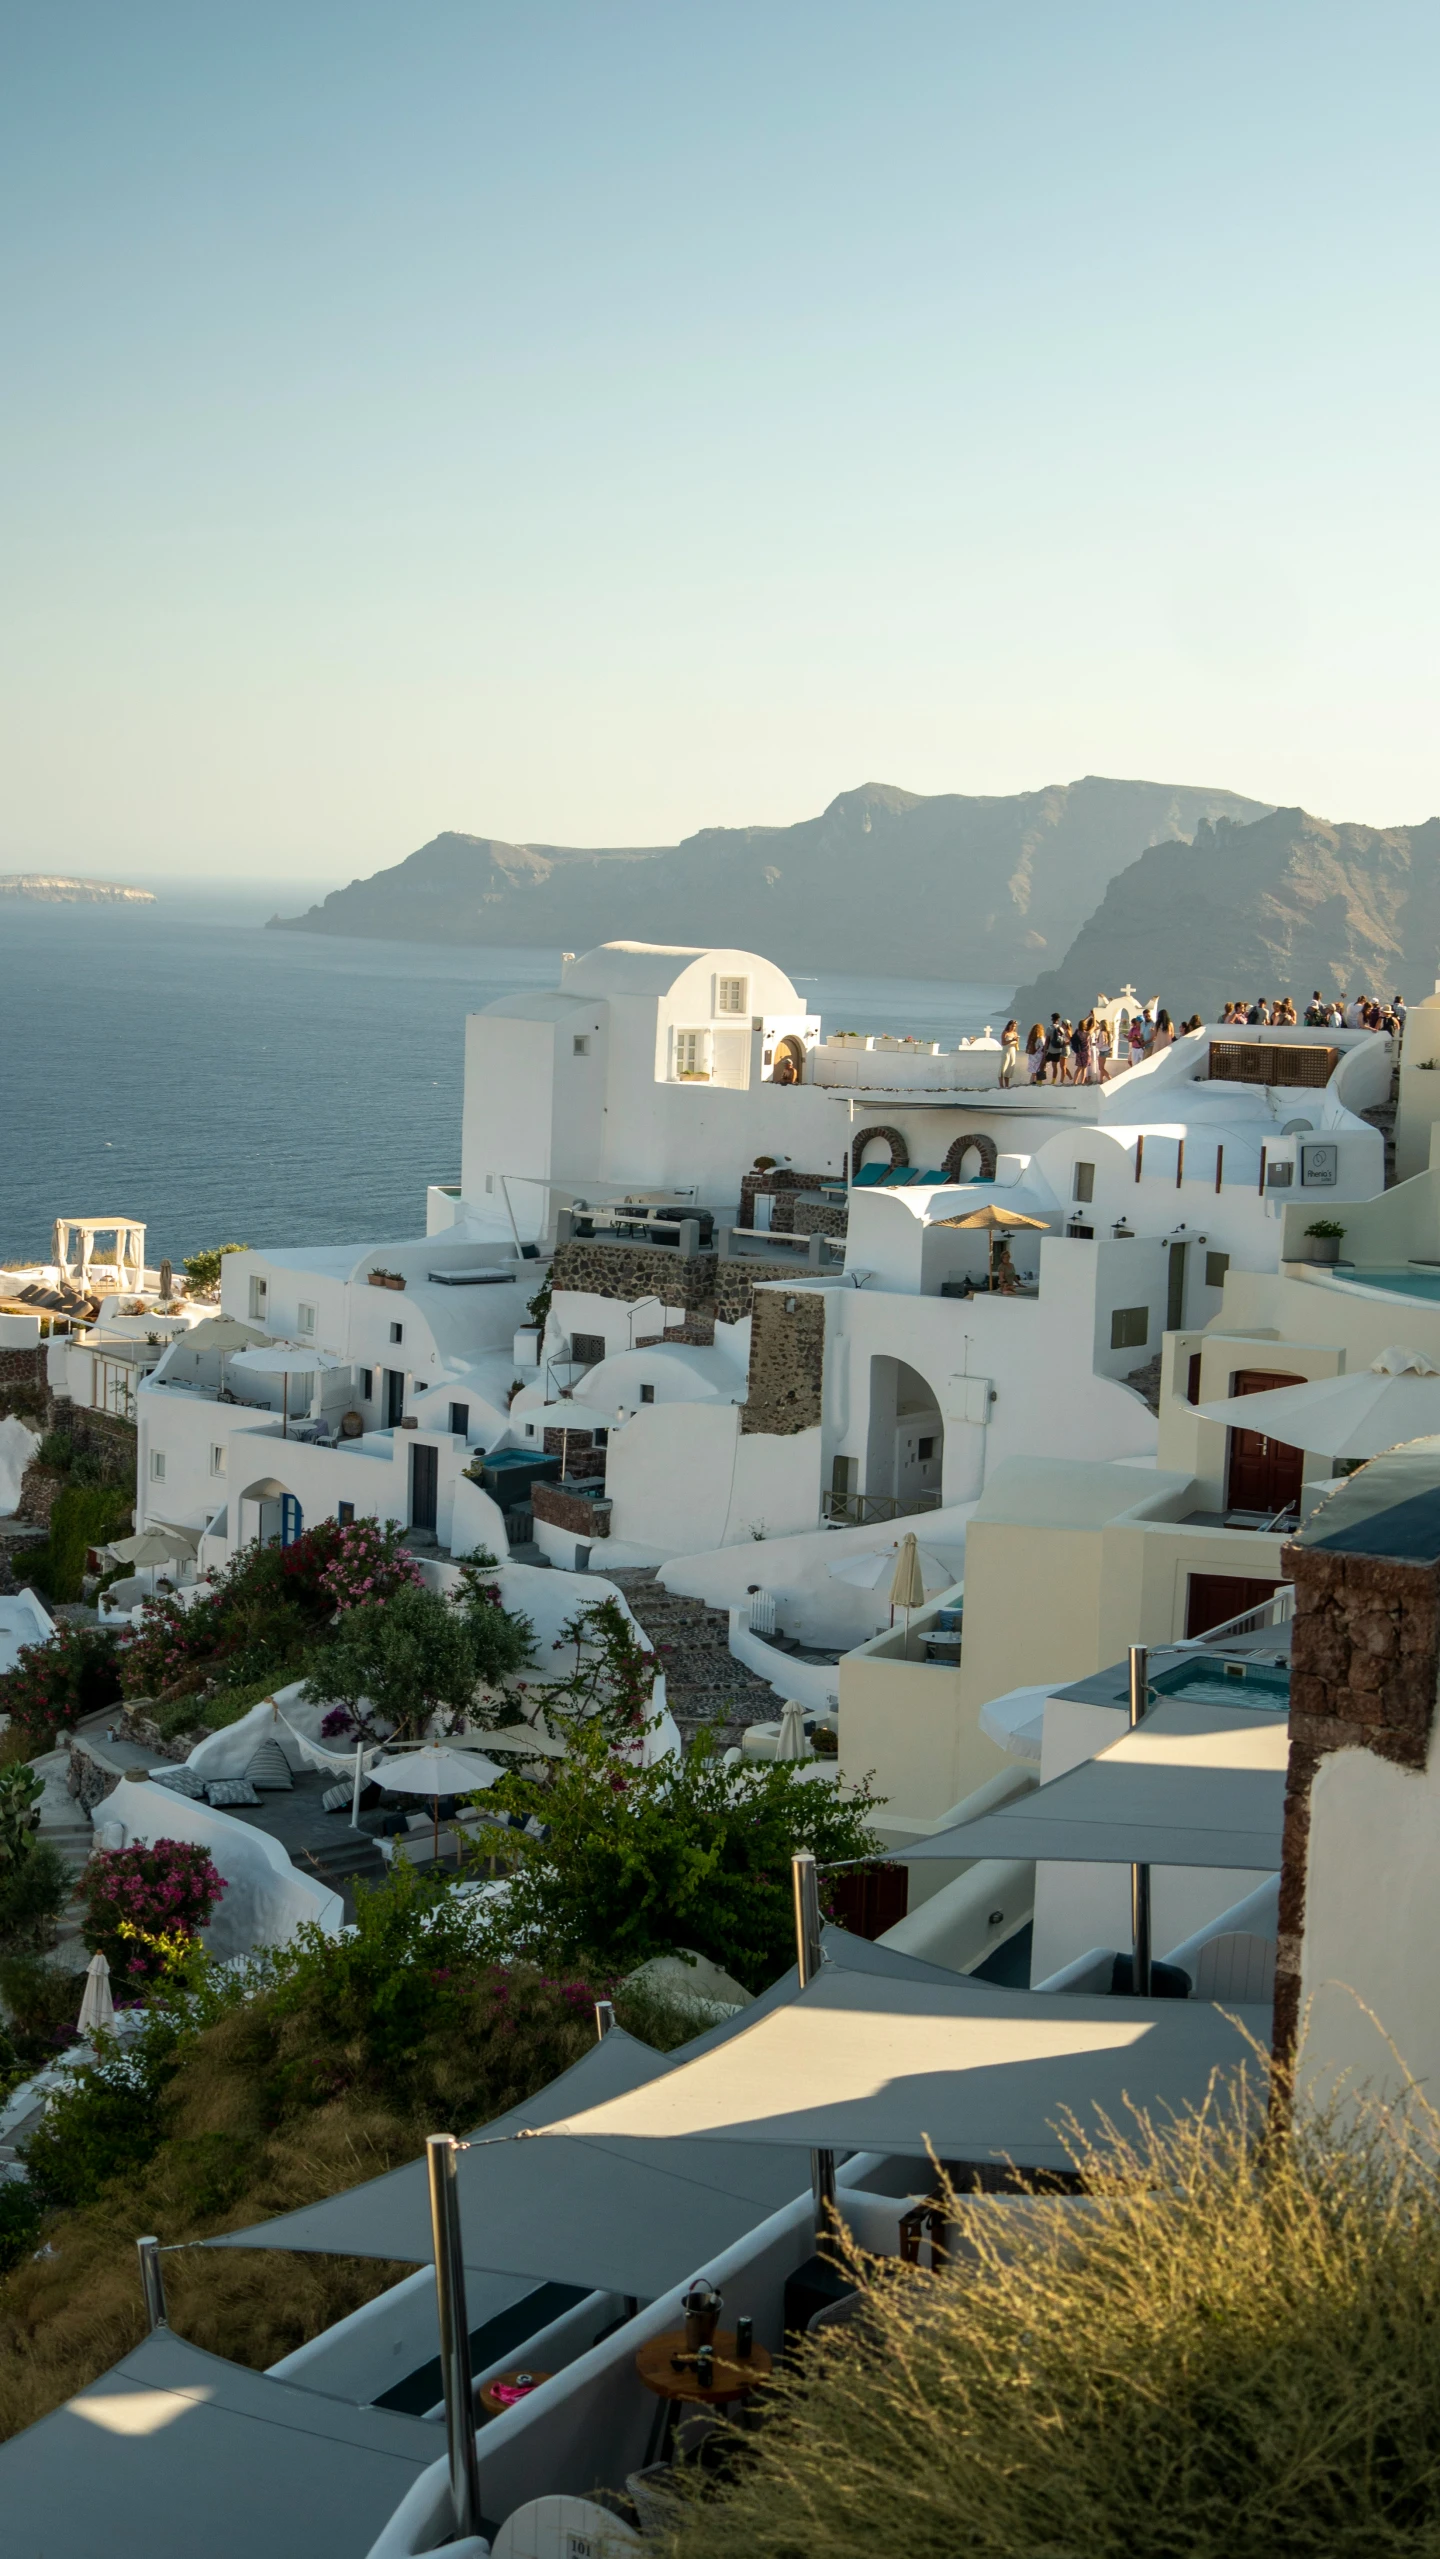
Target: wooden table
{"type": "Point", "coordinates": [734, 2379]}
{"type": "Point", "coordinates": [494, 2407]}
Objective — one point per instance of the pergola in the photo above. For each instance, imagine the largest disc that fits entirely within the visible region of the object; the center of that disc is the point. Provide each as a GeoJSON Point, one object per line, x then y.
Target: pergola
{"type": "Point", "coordinates": [127, 1258]}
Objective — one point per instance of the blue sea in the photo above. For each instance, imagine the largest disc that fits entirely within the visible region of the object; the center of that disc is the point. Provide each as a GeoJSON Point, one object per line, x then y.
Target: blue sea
{"type": "Point", "coordinates": [180, 1065]}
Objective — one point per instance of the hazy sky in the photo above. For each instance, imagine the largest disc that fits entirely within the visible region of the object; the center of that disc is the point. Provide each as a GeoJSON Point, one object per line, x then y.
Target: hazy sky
{"type": "Point", "coordinates": [595, 419]}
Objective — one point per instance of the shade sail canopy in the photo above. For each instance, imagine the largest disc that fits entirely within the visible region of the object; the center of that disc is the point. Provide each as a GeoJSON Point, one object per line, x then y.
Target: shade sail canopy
{"type": "Point", "coordinates": [284, 1359]}
{"type": "Point", "coordinates": [978, 2073]}
{"type": "Point", "coordinates": [1191, 1786]}
{"type": "Point", "coordinates": [1359, 1415]}
{"type": "Point", "coordinates": [175, 2452]}
{"type": "Point", "coordinates": [628, 2217]}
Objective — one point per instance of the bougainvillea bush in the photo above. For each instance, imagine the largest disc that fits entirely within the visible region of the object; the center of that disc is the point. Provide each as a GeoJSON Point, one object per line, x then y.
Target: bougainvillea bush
{"type": "Point", "coordinates": [144, 1904]}
{"type": "Point", "coordinates": [55, 1683]}
{"type": "Point", "coordinates": [269, 1606]}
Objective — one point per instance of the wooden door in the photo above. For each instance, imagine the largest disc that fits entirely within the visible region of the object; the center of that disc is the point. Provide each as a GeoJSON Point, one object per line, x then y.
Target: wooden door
{"type": "Point", "coordinates": [1265, 1473]}
{"type": "Point", "coordinates": [869, 1899]}
{"type": "Point", "coordinates": [1212, 1599]}
{"type": "Point", "coordinates": [424, 1486]}
{"type": "Point", "coordinates": [394, 1396]}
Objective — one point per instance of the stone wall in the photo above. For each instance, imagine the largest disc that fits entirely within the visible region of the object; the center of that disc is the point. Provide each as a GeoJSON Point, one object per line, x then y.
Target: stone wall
{"type": "Point", "coordinates": [25, 1367]}
{"type": "Point", "coordinates": [820, 1217]}
{"type": "Point", "coordinates": [787, 1362]}
{"type": "Point", "coordinates": [781, 1186]}
{"type": "Point", "coordinates": [1365, 1658]}
{"type": "Point", "coordinates": [629, 1272]}
{"type": "Point", "coordinates": [574, 1511]}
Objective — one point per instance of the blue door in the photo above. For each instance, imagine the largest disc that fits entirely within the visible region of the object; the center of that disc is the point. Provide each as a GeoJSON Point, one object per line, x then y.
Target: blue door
{"type": "Point", "coordinates": [292, 1519]}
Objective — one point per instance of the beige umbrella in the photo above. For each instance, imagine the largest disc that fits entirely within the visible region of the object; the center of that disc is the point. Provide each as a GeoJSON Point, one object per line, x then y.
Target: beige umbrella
{"type": "Point", "coordinates": [522, 1739]}
{"type": "Point", "coordinates": [153, 1546]}
{"type": "Point", "coordinates": [97, 2008]}
{"type": "Point", "coordinates": [434, 1770]}
{"type": "Point", "coordinates": [907, 1587]}
{"type": "Point", "coordinates": [790, 1741]}
{"type": "Point", "coordinates": [996, 1219]}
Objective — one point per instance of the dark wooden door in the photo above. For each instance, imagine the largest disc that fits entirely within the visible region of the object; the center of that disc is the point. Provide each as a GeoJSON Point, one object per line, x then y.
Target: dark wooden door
{"type": "Point", "coordinates": [394, 1396]}
{"type": "Point", "coordinates": [1212, 1599]}
{"type": "Point", "coordinates": [424, 1486]}
{"type": "Point", "coordinates": [869, 1899]}
{"type": "Point", "coordinates": [1264, 1473]}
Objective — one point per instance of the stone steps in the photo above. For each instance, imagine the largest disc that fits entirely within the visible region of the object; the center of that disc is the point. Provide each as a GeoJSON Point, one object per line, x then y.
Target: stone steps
{"type": "Point", "coordinates": [702, 1677]}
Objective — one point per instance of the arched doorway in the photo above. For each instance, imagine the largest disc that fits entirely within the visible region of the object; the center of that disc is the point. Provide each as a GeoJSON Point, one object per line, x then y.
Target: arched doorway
{"type": "Point", "coordinates": [268, 1514]}
{"type": "Point", "coordinates": [905, 1442]}
{"type": "Point", "coordinates": [788, 1065]}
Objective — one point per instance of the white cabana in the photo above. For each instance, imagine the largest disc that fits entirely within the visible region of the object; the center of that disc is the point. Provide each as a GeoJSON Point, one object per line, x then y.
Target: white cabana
{"type": "Point", "coordinates": [74, 1241]}
{"type": "Point", "coordinates": [1397, 1398]}
{"type": "Point", "coordinates": [975, 2072]}
{"type": "Point", "coordinates": [1190, 1786]}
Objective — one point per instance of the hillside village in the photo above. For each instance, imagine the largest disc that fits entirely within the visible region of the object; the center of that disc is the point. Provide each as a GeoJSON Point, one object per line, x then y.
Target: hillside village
{"type": "Point", "coordinates": [990, 1525]}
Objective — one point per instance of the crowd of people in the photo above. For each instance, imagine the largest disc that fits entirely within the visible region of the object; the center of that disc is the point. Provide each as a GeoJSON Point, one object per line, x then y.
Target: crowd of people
{"type": "Point", "coordinates": [1089, 1052]}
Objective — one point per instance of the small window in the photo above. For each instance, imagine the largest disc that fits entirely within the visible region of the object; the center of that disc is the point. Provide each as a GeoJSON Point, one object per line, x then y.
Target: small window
{"type": "Point", "coordinates": [1084, 1181]}
{"type": "Point", "coordinates": [647, 1394]}
{"type": "Point", "coordinates": [157, 1465]}
{"type": "Point", "coordinates": [1129, 1328]}
{"type": "Point", "coordinates": [259, 1292]}
{"type": "Point", "coordinates": [733, 995]}
{"type": "Point", "coordinates": [689, 1052]}
{"type": "Point", "coordinates": [580, 1045]}
{"type": "Point", "coordinates": [1278, 1177]}
{"type": "Point", "coordinates": [304, 1317]}
{"type": "Point", "coordinates": [601, 1438]}
{"type": "Point", "coordinates": [587, 1348]}
{"type": "Point", "coordinates": [529, 1430]}
{"type": "Point", "coordinates": [1216, 1266]}
{"type": "Point", "coordinates": [1192, 1389]}
{"type": "Point", "coordinates": [397, 1332]}
{"type": "Point", "coordinates": [345, 1514]}
{"type": "Point", "coordinates": [489, 1181]}
{"type": "Point", "coordinates": [927, 1451]}
{"type": "Point", "coordinates": [460, 1420]}
{"type": "Point", "coordinates": [217, 1460]}
{"type": "Point", "coordinates": [367, 1386]}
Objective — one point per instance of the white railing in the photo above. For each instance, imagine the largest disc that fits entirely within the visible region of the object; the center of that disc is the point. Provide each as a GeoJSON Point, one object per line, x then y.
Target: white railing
{"type": "Point", "coordinates": [761, 1612]}
{"type": "Point", "coordinates": [1277, 1610]}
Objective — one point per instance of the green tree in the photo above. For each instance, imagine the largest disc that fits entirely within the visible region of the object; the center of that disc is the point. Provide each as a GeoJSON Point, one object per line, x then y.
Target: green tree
{"type": "Point", "coordinates": [635, 1862]}
{"type": "Point", "coordinates": [202, 1270]}
{"type": "Point", "coordinates": [407, 1657]}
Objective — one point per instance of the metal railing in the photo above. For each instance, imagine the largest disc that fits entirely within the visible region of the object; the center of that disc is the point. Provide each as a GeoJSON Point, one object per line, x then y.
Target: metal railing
{"type": "Point", "coordinates": [863, 1510]}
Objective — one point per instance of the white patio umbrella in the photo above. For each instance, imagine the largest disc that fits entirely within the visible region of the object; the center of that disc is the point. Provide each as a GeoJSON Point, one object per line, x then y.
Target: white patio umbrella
{"type": "Point", "coordinates": [1396, 1398]}
{"type": "Point", "coordinates": [97, 2008]}
{"type": "Point", "coordinates": [1016, 1721]}
{"type": "Point", "coordinates": [790, 1741]}
{"type": "Point", "coordinates": [435, 1770]}
{"type": "Point", "coordinates": [153, 1546]}
{"type": "Point", "coordinates": [285, 1359]}
{"type": "Point", "coordinates": [521, 1739]}
{"type": "Point", "coordinates": [869, 1570]}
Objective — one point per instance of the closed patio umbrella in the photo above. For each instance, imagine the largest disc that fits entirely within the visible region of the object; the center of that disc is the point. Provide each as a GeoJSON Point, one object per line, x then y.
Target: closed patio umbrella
{"type": "Point", "coordinates": [97, 2008]}
{"type": "Point", "coordinates": [868, 1571]}
{"type": "Point", "coordinates": [790, 1741]}
{"type": "Point", "coordinates": [1397, 1398]}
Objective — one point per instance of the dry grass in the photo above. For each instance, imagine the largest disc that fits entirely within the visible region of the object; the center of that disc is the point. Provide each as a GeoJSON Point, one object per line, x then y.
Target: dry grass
{"type": "Point", "coordinates": [1231, 2354]}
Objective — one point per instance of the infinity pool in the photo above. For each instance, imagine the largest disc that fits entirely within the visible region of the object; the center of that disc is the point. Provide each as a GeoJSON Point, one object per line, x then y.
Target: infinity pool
{"type": "Point", "coordinates": [1424, 1285]}
{"type": "Point", "coordinates": [1207, 1684]}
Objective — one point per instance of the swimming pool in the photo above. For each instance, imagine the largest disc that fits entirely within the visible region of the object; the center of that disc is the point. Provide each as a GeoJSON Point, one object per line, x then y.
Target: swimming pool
{"type": "Point", "coordinates": [1212, 1683]}
{"type": "Point", "coordinates": [1423, 1285]}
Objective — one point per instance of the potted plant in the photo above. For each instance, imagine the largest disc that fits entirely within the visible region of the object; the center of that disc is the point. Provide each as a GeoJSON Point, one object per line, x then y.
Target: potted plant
{"type": "Point", "coordinates": [1322, 1240]}
{"type": "Point", "coordinates": [380, 1278]}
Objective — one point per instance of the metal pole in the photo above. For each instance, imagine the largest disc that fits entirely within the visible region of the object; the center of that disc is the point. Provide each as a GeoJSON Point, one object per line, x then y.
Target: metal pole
{"type": "Point", "coordinates": [359, 1786]}
{"type": "Point", "coordinates": [441, 2152]}
{"type": "Point", "coordinates": [152, 2283]}
{"type": "Point", "coordinates": [604, 2019]}
{"type": "Point", "coordinates": [1139, 1875]}
{"type": "Point", "coordinates": [808, 1959]}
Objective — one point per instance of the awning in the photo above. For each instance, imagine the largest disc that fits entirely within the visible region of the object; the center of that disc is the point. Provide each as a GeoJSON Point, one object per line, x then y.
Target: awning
{"type": "Point", "coordinates": [175, 2452]}
{"type": "Point", "coordinates": [1191, 1786]}
{"type": "Point", "coordinates": [626, 2216]}
{"type": "Point", "coordinates": [978, 2073]}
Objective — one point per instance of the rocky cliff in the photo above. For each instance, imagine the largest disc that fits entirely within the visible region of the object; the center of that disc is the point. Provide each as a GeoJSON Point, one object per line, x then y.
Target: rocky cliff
{"type": "Point", "coordinates": [883, 882]}
{"type": "Point", "coordinates": [1278, 907]}
{"type": "Point", "coordinates": [51, 890]}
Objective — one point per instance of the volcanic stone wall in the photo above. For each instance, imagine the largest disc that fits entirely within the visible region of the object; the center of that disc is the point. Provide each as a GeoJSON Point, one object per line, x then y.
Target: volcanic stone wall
{"type": "Point", "coordinates": [787, 1362]}
{"type": "Point", "coordinates": [1365, 1659]}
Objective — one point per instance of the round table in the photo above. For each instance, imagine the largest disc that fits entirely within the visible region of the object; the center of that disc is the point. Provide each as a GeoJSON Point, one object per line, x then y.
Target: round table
{"type": "Point", "coordinates": [494, 2407]}
{"type": "Point", "coordinates": [734, 2379]}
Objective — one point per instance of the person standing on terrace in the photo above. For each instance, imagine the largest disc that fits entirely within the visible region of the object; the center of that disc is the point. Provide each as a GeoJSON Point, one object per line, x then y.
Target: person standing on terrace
{"type": "Point", "coordinates": [1009, 1053]}
{"type": "Point", "coordinates": [1035, 1051]}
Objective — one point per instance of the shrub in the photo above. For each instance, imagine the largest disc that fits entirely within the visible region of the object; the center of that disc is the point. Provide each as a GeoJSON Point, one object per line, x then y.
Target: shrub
{"type": "Point", "coordinates": [365, 1562]}
{"type": "Point", "coordinates": [20, 2215]}
{"type": "Point", "coordinates": [55, 1683]}
{"type": "Point", "coordinates": [43, 2004]}
{"type": "Point", "coordinates": [202, 1270]}
{"type": "Point", "coordinates": [144, 1902]}
{"type": "Point", "coordinates": [106, 2122]}
{"type": "Point", "coordinates": [409, 1657]}
{"type": "Point", "coordinates": [635, 1862]}
{"type": "Point", "coordinates": [502, 1638]}
{"type": "Point", "coordinates": [33, 1893]}
{"type": "Point", "coordinates": [611, 1686]}
{"type": "Point", "coordinates": [1233, 2353]}
{"type": "Point", "coordinates": [85, 1515]}
{"type": "Point", "coordinates": [20, 1791]}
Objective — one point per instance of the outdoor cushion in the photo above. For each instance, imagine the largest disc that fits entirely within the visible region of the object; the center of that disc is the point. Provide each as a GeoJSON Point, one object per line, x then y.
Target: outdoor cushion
{"type": "Point", "coordinates": [869, 1175]}
{"type": "Point", "coordinates": [181, 1781]}
{"type": "Point", "coordinates": [230, 1790]}
{"type": "Point", "coordinates": [338, 1799]}
{"type": "Point", "coordinates": [931, 1179]}
{"type": "Point", "coordinates": [271, 1769]}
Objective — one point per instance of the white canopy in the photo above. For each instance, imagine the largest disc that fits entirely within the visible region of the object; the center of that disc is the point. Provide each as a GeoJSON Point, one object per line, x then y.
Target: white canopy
{"type": "Point", "coordinates": [285, 1359]}
{"type": "Point", "coordinates": [976, 2072]}
{"type": "Point", "coordinates": [1191, 1786]}
{"type": "Point", "coordinates": [878, 1564]}
{"type": "Point", "coordinates": [1016, 1721]}
{"type": "Point", "coordinates": [1397, 1398]}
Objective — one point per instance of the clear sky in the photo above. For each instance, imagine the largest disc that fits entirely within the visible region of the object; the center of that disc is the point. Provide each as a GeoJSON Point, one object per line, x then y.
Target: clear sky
{"type": "Point", "coordinates": [589, 420]}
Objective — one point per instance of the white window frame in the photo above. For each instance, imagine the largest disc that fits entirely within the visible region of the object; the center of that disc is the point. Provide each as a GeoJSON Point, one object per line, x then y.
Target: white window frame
{"type": "Point", "coordinates": [304, 1317]}
{"type": "Point", "coordinates": [692, 1054]}
{"type": "Point", "coordinates": [157, 1465]}
{"type": "Point", "coordinates": [739, 987]}
{"type": "Point", "coordinates": [580, 1044]}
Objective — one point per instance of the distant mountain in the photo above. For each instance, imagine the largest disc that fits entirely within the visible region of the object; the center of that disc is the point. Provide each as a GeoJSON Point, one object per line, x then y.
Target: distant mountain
{"type": "Point", "coordinates": [53, 891]}
{"type": "Point", "coordinates": [884, 882]}
{"type": "Point", "coordinates": [1279, 907]}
